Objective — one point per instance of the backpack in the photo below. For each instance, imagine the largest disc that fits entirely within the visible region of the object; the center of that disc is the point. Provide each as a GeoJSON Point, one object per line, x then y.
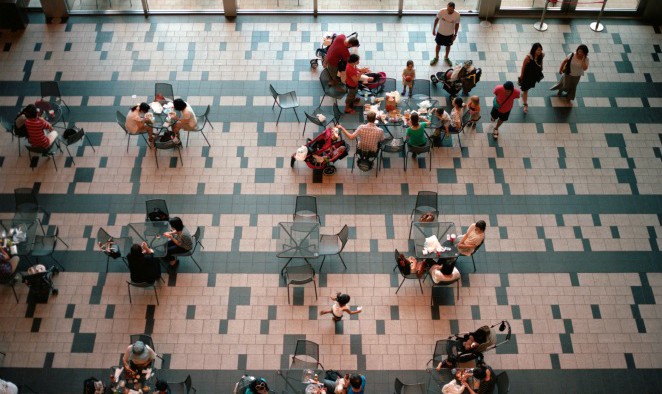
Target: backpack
{"type": "Point", "coordinates": [93, 385]}
{"type": "Point", "coordinates": [403, 265]}
{"type": "Point", "coordinates": [332, 375]}
{"type": "Point", "coordinates": [157, 215]}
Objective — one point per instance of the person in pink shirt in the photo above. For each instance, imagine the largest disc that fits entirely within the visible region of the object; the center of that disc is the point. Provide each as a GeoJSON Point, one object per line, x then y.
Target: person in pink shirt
{"type": "Point", "coordinates": [504, 97]}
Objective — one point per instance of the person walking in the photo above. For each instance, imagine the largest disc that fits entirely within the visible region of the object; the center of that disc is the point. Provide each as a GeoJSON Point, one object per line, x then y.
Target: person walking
{"type": "Point", "coordinates": [571, 70]}
{"type": "Point", "coordinates": [446, 33]}
{"type": "Point", "coordinates": [531, 73]}
{"type": "Point", "coordinates": [339, 307]}
{"type": "Point", "coordinates": [504, 97]}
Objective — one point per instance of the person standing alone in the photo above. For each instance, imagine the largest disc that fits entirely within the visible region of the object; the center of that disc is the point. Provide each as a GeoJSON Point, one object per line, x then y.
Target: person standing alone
{"type": "Point", "coordinates": [446, 33]}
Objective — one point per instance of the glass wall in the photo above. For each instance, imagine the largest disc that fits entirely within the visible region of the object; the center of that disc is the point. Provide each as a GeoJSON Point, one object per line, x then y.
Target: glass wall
{"type": "Point", "coordinates": [193, 5]}
{"type": "Point", "coordinates": [436, 5]}
{"type": "Point", "coordinates": [283, 5]}
{"type": "Point", "coordinates": [96, 5]}
{"type": "Point", "coordinates": [530, 4]}
{"type": "Point", "coordinates": [611, 5]}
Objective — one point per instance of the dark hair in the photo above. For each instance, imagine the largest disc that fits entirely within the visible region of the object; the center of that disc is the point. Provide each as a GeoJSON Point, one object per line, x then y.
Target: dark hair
{"type": "Point", "coordinates": [451, 4]}
{"type": "Point", "coordinates": [136, 250]}
{"type": "Point", "coordinates": [342, 299]}
{"type": "Point", "coordinates": [479, 373]}
{"type": "Point", "coordinates": [355, 381]}
{"type": "Point", "coordinates": [143, 107]}
{"type": "Point", "coordinates": [458, 101]}
{"type": "Point", "coordinates": [30, 111]}
{"type": "Point", "coordinates": [534, 48]}
{"type": "Point", "coordinates": [353, 42]}
{"type": "Point", "coordinates": [179, 104]}
{"type": "Point", "coordinates": [161, 385]}
{"type": "Point", "coordinates": [584, 49]}
{"type": "Point", "coordinates": [439, 111]}
{"type": "Point", "coordinates": [413, 118]}
{"type": "Point", "coordinates": [481, 225]}
{"type": "Point", "coordinates": [176, 223]}
{"type": "Point", "coordinates": [410, 62]}
{"type": "Point", "coordinates": [353, 58]}
{"type": "Point", "coordinates": [371, 116]}
{"type": "Point", "coordinates": [257, 382]}
{"type": "Point", "coordinates": [509, 85]}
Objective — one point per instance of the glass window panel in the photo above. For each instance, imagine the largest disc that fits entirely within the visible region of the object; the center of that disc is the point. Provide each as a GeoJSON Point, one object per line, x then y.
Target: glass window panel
{"type": "Point", "coordinates": [334, 5]}
{"type": "Point", "coordinates": [530, 4]}
{"type": "Point", "coordinates": [114, 5]}
{"type": "Point", "coordinates": [436, 5]}
{"type": "Point", "coordinates": [285, 5]}
{"type": "Point", "coordinates": [197, 5]}
{"type": "Point", "coordinates": [611, 4]}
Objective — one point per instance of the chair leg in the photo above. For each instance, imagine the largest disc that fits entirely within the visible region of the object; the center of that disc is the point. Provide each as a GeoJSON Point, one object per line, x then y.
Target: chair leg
{"type": "Point", "coordinates": [72, 158]}
{"type": "Point", "coordinates": [314, 286]}
{"type": "Point", "coordinates": [180, 156]}
{"type": "Point", "coordinates": [288, 293]}
{"type": "Point", "coordinates": [474, 261]}
{"type": "Point", "coordinates": [403, 281]}
{"type": "Point", "coordinates": [90, 143]}
{"type": "Point", "coordinates": [458, 290]}
{"type": "Point", "coordinates": [19, 145]}
{"type": "Point", "coordinates": [54, 163]}
{"type": "Point", "coordinates": [420, 285]}
{"type": "Point", "coordinates": [203, 134]}
{"type": "Point", "coordinates": [411, 225]}
{"type": "Point", "coordinates": [125, 263]}
{"type": "Point", "coordinates": [128, 141]}
{"type": "Point", "coordinates": [57, 263]}
{"type": "Point", "coordinates": [322, 265]}
{"type": "Point", "coordinates": [430, 158]}
{"type": "Point", "coordinates": [279, 113]}
{"type": "Point", "coordinates": [196, 263]}
{"type": "Point", "coordinates": [107, 261]}
{"type": "Point", "coordinates": [201, 245]}
{"type": "Point", "coordinates": [304, 127]}
{"type": "Point", "coordinates": [65, 244]}
{"type": "Point", "coordinates": [342, 260]}
{"type": "Point", "coordinates": [156, 294]}
{"type": "Point", "coordinates": [353, 162]}
{"type": "Point", "coordinates": [295, 114]}
{"type": "Point", "coordinates": [128, 286]}
{"type": "Point", "coordinates": [188, 134]}
{"type": "Point", "coordinates": [156, 157]}
{"type": "Point", "coordinates": [16, 295]}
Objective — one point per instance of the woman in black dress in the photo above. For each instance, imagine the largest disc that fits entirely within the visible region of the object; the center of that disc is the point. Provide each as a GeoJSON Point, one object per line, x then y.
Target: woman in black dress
{"type": "Point", "coordinates": [531, 72]}
{"type": "Point", "coordinates": [143, 267]}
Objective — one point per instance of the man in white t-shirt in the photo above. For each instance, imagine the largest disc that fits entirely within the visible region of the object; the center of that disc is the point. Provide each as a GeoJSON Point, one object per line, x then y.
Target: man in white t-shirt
{"type": "Point", "coordinates": [446, 33]}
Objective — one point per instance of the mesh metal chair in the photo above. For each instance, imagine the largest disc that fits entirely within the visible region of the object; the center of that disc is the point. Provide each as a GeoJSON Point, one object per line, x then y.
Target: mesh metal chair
{"type": "Point", "coordinates": [426, 202]}
{"type": "Point", "coordinates": [330, 91]}
{"type": "Point", "coordinates": [503, 383]}
{"type": "Point", "coordinates": [144, 285]}
{"type": "Point", "coordinates": [121, 121]}
{"type": "Point", "coordinates": [74, 136]}
{"type": "Point", "coordinates": [123, 246]}
{"type": "Point", "coordinates": [450, 283]}
{"type": "Point", "coordinates": [411, 275]}
{"type": "Point", "coordinates": [185, 387]}
{"type": "Point", "coordinates": [147, 340]}
{"type": "Point", "coordinates": [333, 245]}
{"type": "Point", "coordinates": [389, 85]}
{"type": "Point", "coordinates": [299, 275]}
{"type": "Point", "coordinates": [44, 152]}
{"type": "Point", "coordinates": [440, 351]}
{"type": "Point", "coordinates": [368, 160]}
{"type": "Point", "coordinates": [315, 120]}
{"type": "Point", "coordinates": [427, 148]}
{"type": "Point", "coordinates": [167, 145]}
{"type": "Point", "coordinates": [52, 89]}
{"type": "Point", "coordinates": [11, 281]}
{"type": "Point", "coordinates": [287, 100]}
{"type": "Point", "coordinates": [474, 252]}
{"type": "Point", "coordinates": [466, 117]}
{"type": "Point", "coordinates": [305, 209]}
{"type": "Point", "coordinates": [205, 121]}
{"type": "Point", "coordinates": [165, 90]}
{"type": "Point", "coordinates": [17, 133]}
{"type": "Point", "coordinates": [197, 237]}
{"type": "Point", "coordinates": [306, 355]}
{"type": "Point", "coordinates": [44, 246]}
{"type": "Point", "coordinates": [350, 121]}
{"type": "Point", "coordinates": [401, 388]}
{"type": "Point", "coordinates": [27, 203]}
{"type": "Point", "coordinates": [156, 210]}
{"type": "Point", "coordinates": [421, 88]}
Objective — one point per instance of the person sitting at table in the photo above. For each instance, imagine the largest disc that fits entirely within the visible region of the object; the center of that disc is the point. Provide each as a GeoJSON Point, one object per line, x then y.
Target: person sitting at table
{"type": "Point", "coordinates": [474, 237]}
{"type": "Point", "coordinates": [370, 135]}
{"type": "Point", "coordinates": [143, 267]}
{"type": "Point", "coordinates": [35, 126]}
{"type": "Point", "coordinates": [416, 131]}
{"type": "Point", "coordinates": [136, 123]}
{"type": "Point", "coordinates": [444, 119]}
{"type": "Point", "coordinates": [179, 240]}
{"type": "Point", "coordinates": [456, 116]}
{"type": "Point", "coordinates": [138, 357]}
{"type": "Point", "coordinates": [457, 385]}
{"type": "Point", "coordinates": [8, 265]}
{"type": "Point", "coordinates": [185, 121]}
{"type": "Point", "coordinates": [485, 374]}
{"type": "Point", "coordinates": [8, 387]}
{"type": "Point", "coordinates": [444, 272]}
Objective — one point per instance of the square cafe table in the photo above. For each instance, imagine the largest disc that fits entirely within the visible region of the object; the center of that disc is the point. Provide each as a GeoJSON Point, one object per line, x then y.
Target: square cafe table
{"type": "Point", "coordinates": [152, 233]}
{"type": "Point", "coordinates": [27, 225]}
{"type": "Point", "coordinates": [424, 230]}
{"type": "Point", "coordinates": [298, 240]}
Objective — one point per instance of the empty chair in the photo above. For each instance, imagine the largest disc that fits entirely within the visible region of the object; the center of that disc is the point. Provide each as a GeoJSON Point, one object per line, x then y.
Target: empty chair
{"type": "Point", "coordinates": [401, 388]}
{"type": "Point", "coordinates": [440, 351]}
{"type": "Point", "coordinates": [44, 152]}
{"type": "Point", "coordinates": [421, 88]}
{"type": "Point", "coordinates": [306, 209]}
{"type": "Point", "coordinates": [503, 383]}
{"type": "Point", "coordinates": [404, 274]}
{"type": "Point", "coordinates": [73, 135]}
{"type": "Point", "coordinates": [284, 101]}
{"type": "Point", "coordinates": [27, 203]}
{"type": "Point", "coordinates": [156, 210]}
{"type": "Point", "coordinates": [167, 145]}
{"type": "Point", "coordinates": [144, 285]}
{"type": "Point", "coordinates": [197, 237]}
{"type": "Point", "coordinates": [299, 275]}
{"type": "Point", "coordinates": [332, 91]}
{"type": "Point", "coordinates": [147, 340]}
{"type": "Point", "coordinates": [205, 120]}
{"type": "Point", "coordinates": [165, 90]}
{"type": "Point", "coordinates": [315, 120]}
{"type": "Point", "coordinates": [52, 89]}
{"type": "Point", "coordinates": [120, 246]}
{"type": "Point", "coordinates": [121, 121]}
{"type": "Point", "coordinates": [426, 202]}
{"type": "Point", "coordinates": [306, 355]}
{"type": "Point", "coordinates": [44, 246]}
{"type": "Point", "coordinates": [333, 245]}
{"type": "Point", "coordinates": [185, 387]}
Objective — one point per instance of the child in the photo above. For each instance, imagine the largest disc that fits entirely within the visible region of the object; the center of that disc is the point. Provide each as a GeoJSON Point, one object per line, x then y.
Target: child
{"type": "Point", "coordinates": [408, 76]}
{"type": "Point", "coordinates": [474, 110]}
{"type": "Point", "coordinates": [340, 306]}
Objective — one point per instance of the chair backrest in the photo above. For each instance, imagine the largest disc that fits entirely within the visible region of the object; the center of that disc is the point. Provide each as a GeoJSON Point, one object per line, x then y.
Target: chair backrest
{"type": "Point", "coordinates": [313, 119]}
{"type": "Point", "coordinates": [426, 199]}
{"type": "Point", "coordinates": [306, 349]}
{"type": "Point", "coordinates": [50, 89]}
{"type": "Point", "coordinates": [478, 247]}
{"type": "Point", "coordinates": [199, 233]}
{"type": "Point", "coordinates": [206, 114]}
{"type": "Point", "coordinates": [389, 85]}
{"type": "Point", "coordinates": [305, 205]}
{"type": "Point", "coordinates": [337, 113]}
{"type": "Point", "coordinates": [397, 264]}
{"type": "Point", "coordinates": [38, 149]}
{"type": "Point", "coordinates": [121, 120]}
{"type": "Point", "coordinates": [325, 77]}
{"type": "Point", "coordinates": [398, 386]}
{"type": "Point", "coordinates": [343, 235]}
{"type": "Point", "coordinates": [103, 236]}
{"type": "Point", "coordinates": [165, 145]}
{"type": "Point", "coordinates": [188, 382]}
{"type": "Point", "coordinates": [72, 135]}
{"type": "Point", "coordinates": [274, 93]}
{"type": "Point", "coordinates": [156, 206]}
{"type": "Point", "coordinates": [466, 117]}
{"type": "Point", "coordinates": [26, 200]}
{"type": "Point", "coordinates": [165, 89]}
{"type": "Point", "coordinates": [440, 350]}
{"type": "Point", "coordinates": [503, 382]}
{"type": "Point", "coordinates": [422, 87]}
{"type": "Point", "coordinates": [144, 338]}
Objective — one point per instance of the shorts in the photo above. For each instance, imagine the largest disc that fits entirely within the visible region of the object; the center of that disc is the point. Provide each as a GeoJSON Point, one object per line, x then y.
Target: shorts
{"type": "Point", "coordinates": [495, 114]}
{"type": "Point", "coordinates": [443, 41]}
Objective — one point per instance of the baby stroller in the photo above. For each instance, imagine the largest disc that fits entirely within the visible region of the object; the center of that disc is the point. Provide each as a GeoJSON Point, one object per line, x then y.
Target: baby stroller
{"type": "Point", "coordinates": [460, 349]}
{"type": "Point", "coordinates": [40, 282]}
{"type": "Point", "coordinates": [462, 77]}
{"type": "Point", "coordinates": [320, 52]}
{"type": "Point", "coordinates": [374, 87]}
{"type": "Point", "coordinates": [321, 152]}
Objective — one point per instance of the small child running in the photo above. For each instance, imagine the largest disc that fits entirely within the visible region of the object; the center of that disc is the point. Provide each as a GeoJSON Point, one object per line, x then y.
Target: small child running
{"type": "Point", "coordinates": [408, 76]}
{"type": "Point", "coordinates": [474, 110]}
{"type": "Point", "coordinates": [340, 306]}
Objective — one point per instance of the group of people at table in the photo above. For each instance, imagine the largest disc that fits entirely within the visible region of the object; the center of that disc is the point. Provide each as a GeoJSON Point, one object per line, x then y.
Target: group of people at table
{"type": "Point", "coordinates": [183, 118]}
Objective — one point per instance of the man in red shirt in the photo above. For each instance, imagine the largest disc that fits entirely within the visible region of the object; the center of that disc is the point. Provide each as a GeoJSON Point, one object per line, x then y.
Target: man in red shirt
{"type": "Point", "coordinates": [505, 96]}
{"type": "Point", "coordinates": [36, 126]}
{"type": "Point", "coordinates": [339, 49]}
{"type": "Point", "coordinates": [352, 75]}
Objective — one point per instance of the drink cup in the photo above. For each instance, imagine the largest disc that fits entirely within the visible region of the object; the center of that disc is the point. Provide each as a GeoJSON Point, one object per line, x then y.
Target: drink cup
{"type": "Point", "coordinates": [452, 237]}
{"type": "Point", "coordinates": [51, 113]}
{"type": "Point", "coordinates": [448, 237]}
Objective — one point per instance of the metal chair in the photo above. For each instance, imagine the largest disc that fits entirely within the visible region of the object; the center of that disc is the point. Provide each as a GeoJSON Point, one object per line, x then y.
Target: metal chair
{"type": "Point", "coordinates": [197, 237]}
{"type": "Point", "coordinates": [315, 120]}
{"type": "Point", "coordinates": [10, 126]}
{"type": "Point", "coordinates": [123, 246]}
{"type": "Point", "coordinates": [306, 355]}
{"type": "Point", "coordinates": [466, 118]}
{"type": "Point", "coordinates": [185, 387]}
{"type": "Point", "coordinates": [11, 281]}
{"type": "Point", "coordinates": [392, 145]}
{"type": "Point", "coordinates": [299, 275]}
{"type": "Point", "coordinates": [401, 388]}
{"type": "Point", "coordinates": [44, 152]}
{"type": "Point", "coordinates": [411, 275]}
{"type": "Point", "coordinates": [143, 285]}
{"type": "Point", "coordinates": [147, 340]}
{"type": "Point", "coordinates": [205, 120]}
{"type": "Point", "coordinates": [389, 85]}
{"type": "Point", "coordinates": [305, 209]}
{"type": "Point", "coordinates": [330, 91]}
{"type": "Point", "coordinates": [350, 122]}
{"type": "Point", "coordinates": [44, 246]}
{"type": "Point", "coordinates": [427, 148]}
{"type": "Point", "coordinates": [284, 101]}
{"type": "Point", "coordinates": [333, 245]}
{"type": "Point", "coordinates": [166, 145]}
{"type": "Point", "coordinates": [450, 283]}
{"type": "Point", "coordinates": [156, 210]}
{"type": "Point", "coordinates": [371, 157]}
{"type": "Point", "coordinates": [440, 351]}
{"type": "Point", "coordinates": [503, 383]}
{"type": "Point", "coordinates": [426, 202]}
{"type": "Point", "coordinates": [421, 88]}
{"type": "Point", "coordinates": [78, 134]}
{"type": "Point", "coordinates": [121, 121]}
{"type": "Point", "coordinates": [26, 202]}
{"type": "Point", "coordinates": [165, 89]}
{"type": "Point", "coordinates": [474, 252]}
{"type": "Point", "coordinates": [52, 89]}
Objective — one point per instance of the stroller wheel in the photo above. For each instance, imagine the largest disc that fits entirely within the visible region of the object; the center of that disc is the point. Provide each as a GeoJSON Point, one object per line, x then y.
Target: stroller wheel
{"type": "Point", "coordinates": [329, 170]}
{"type": "Point", "coordinates": [313, 63]}
{"type": "Point", "coordinates": [55, 291]}
{"type": "Point", "coordinates": [434, 79]}
{"type": "Point", "coordinates": [292, 160]}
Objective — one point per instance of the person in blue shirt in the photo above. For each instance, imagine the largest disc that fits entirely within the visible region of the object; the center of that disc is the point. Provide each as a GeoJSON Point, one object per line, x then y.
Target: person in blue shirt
{"type": "Point", "coordinates": [356, 384]}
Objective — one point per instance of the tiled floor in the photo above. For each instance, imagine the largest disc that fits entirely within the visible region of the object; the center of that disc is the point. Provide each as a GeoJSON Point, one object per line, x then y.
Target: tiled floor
{"type": "Point", "coordinates": [571, 196]}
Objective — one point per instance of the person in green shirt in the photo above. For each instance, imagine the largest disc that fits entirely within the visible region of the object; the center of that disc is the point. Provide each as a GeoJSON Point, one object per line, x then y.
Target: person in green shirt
{"type": "Point", "coordinates": [416, 131]}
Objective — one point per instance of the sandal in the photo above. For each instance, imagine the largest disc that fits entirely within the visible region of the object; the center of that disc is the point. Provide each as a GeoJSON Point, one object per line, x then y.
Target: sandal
{"type": "Point", "coordinates": [526, 109]}
{"type": "Point", "coordinates": [434, 61]}
{"type": "Point", "coordinates": [495, 134]}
